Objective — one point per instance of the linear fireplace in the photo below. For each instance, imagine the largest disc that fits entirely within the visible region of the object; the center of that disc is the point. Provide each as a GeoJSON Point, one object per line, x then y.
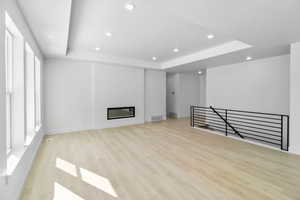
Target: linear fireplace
{"type": "Point", "coordinates": [120, 112]}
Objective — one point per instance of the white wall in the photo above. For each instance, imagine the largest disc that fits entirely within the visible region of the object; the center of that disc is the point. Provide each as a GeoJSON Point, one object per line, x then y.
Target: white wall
{"type": "Point", "coordinates": [261, 85]}
{"type": "Point", "coordinates": [68, 95]}
{"type": "Point", "coordinates": [155, 94]}
{"type": "Point", "coordinates": [189, 92]}
{"type": "Point", "coordinates": [172, 95]}
{"type": "Point", "coordinates": [188, 89]}
{"type": "Point", "coordinates": [78, 93]}
{"type": "Point", "coordinates": [203, 88]}
{"type": "Point", "coordinates": [295, 99]}
{"type": "Point", "coordinates": [11, 189]}
{"type": "Point", "coordinates": [117, 87]}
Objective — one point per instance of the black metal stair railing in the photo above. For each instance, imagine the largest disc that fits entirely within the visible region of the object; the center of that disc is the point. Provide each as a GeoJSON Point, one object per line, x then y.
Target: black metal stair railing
{"type": "Point", "coordinates": [267, 128]}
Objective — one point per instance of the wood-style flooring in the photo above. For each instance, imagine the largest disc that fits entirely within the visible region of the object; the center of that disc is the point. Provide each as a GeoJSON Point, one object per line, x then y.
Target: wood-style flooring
{"type": "Point", "coordinates": [159, 161]}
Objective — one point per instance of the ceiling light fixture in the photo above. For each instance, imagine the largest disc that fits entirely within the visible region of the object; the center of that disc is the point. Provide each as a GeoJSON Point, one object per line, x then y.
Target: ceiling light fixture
{"type": "Point", "coordinates": [97, 49]}
{"type": "Point", "coordinates": [154, 58]}
{"type": "Point", "coordinates": [249, 58]}
{"type": "Point", "coordinates": [176, 50]}
{"type": "Point", "coordinates": [130, 6]}
{"type": "Point", "coordinates": [199, 72]}
{"type": "Point", "coordinates": [210, 36]}
{"type": "Point", "coordinates": [108, 34]}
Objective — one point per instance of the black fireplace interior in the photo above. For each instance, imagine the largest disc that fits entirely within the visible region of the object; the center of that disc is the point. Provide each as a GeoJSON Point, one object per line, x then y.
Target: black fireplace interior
{"type": "Point", "coordinates": [120, 112]}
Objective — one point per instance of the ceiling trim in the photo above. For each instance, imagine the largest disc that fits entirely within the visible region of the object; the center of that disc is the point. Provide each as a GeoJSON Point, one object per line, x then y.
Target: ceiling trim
{"type": "Point", "coordinates": [69, 28]}
{"type": "Point", "coordinates": [222, 49]}
{"type": "Point", "coordinates": [95, 57]}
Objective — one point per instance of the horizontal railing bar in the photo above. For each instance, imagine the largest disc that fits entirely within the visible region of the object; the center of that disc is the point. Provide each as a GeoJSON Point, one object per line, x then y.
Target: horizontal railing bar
{"type": "Point", "coordinates": [204, 116]}
{"type": "Point", "coordinates": [222, 122]}
{"type": "Point", "coordinates": [271, 130]}
{"type": "Point", "coordinates": [244, 133]}
{"type": "Point", "coordinates": [204, 110]}
{"type": "Point", "coordinates": [255, 134]}
{"type": "Point", "coordinates": [245, 122]}
{"type": "Point", "coordinates": [231, 117]}
{"type": "Point", "coordinates": [261, 117]}
{"type": "Point", "coordinates": [221, 129]}
{"type": "Point", "coordinates": [207, 113]}
{"type": "Point", "coordinates": [268, 128]}
{"type": "Point", "coordinates": [244, 111]}
{"type": "Point", "coordinates": [272, 135]}
{"type": "Point", "coordinates": [211, 123]}
{"type": "Point", "coordinates": [226, 122]}
{"type": "Point", "coordinates": [212, 119]}
{"type": "Point", "coordinates": [254, 131]}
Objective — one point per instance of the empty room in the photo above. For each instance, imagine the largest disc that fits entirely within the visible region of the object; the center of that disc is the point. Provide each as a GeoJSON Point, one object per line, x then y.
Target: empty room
{"type": "Point", "coordinates": [142, 100]}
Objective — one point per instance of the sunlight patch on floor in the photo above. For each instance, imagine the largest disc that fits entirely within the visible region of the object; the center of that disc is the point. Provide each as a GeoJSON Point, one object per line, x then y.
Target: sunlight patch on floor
{"type": "Point", "coordinates": [66, 166]}
{"type": "Point", "coordinates": [98, 182]}
{"type": "Point", "coordinates": [62, 193]}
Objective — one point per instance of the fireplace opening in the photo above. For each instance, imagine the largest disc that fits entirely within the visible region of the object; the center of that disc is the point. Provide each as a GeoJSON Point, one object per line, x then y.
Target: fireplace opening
{"type": "Point", "coordinates": [120, 112]}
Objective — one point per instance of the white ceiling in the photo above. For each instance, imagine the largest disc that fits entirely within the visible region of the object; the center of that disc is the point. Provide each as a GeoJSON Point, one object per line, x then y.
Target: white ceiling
{"type": "Point", "coordinates": [66, 28]}
{"type": "Point", "coordinates": [49, 22]}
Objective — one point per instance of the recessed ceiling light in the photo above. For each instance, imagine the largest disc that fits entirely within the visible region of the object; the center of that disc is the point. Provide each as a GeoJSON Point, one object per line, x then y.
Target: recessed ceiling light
{"type": "Point", "coordinates": [176, 50]}
{"type": "Point", "coordinates": [154, 58]}
{"type": "Point", "coordinates": [97, 49]}
{"type": "Point", "coordinates": [130, 6]}
{"type": "Point", "coordinates": [249, 58]}
{"type": "Point", "coordinates": [108, 34]}
{"type": "Point", "coordinates": [200, 72]}
{"type": "Point", "coordinates": [210, 36]}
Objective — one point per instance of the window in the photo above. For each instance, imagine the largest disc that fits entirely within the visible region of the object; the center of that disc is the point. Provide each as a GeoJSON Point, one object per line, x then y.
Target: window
{"type": "Point", "coordinates": [9, 88]}
{"type": "Point", "coordinates": [30, 93]}
{"type": "Point", "coordinates": [15, 87]}
{"type": "Point", "coordinates": [38, 121]}
{"type": "Point", "coordinates": [23, 94]}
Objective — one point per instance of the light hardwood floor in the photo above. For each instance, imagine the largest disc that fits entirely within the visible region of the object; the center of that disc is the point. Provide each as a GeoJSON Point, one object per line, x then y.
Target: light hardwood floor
{"type": "Point", "coordinates": [159, 161]}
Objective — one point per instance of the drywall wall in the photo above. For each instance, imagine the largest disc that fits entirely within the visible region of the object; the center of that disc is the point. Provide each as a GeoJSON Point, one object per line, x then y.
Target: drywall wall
{"type": "Point", "coordinates": [203, 89]}
{"type": "Point", "coordinates": [172, 95]}
{"type": "Point", "coordinates": [155, 95]}
{"type": "Point", "coordinates": [260, 85]}
{"type": "Point", "coordinates": [184, 90]}
{"type": "Point", "coordinates": [11, 186]}
{"type": "Point", "coordinates": [189, 92]}
{"type": "Point", "coordinates": [78, 93]}
{"type": "Point", "coordinates": [116, 86]}
{"type": "Point", "coordinates": [295, 99]}
{"type": "Point", "coordinates": [67, 95]}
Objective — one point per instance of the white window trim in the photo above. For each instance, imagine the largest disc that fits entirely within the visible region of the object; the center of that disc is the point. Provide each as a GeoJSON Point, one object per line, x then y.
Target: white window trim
{"type": "Point", "coordinates": [17, 151]}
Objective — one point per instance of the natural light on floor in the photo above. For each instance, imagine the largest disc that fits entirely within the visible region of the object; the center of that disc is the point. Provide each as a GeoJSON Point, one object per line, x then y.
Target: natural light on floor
{"type": "Point", "coordinates": [62, 193]}
{"type": "Point", "coordinates": [87, 176]}
{"type": "Point", "coordinates": [66, 166]}
{"type": "Point", "coordinates": [98, 182]}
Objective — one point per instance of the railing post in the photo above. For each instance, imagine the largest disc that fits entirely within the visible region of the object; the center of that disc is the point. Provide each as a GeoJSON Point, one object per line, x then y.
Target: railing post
{"type": "Point", "coordinates": [281, 132]}
{"type": "Point", "coordinates": [192, 115]}
{"type": "Point", "coordinates": [288, 132]}
{"type": "Point", "coordinates": [226, 126]}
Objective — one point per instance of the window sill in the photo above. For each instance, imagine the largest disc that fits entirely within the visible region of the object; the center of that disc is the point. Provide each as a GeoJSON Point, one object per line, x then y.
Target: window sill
{"type": "Point", "coordinates": [30, 138]}
{"type": "Point", "coordinates": [13, 160]}
{"type": "Point", "coordinates": [15, 156]}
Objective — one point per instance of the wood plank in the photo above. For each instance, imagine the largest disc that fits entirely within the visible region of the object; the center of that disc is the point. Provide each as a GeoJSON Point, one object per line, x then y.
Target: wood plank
{"type": "Point", "coordinates": [166, 160]}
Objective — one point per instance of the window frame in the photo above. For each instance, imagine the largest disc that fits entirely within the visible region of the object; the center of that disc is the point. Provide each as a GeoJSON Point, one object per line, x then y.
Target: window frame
{"type": "Point", "coordinates": [38, 114]}
{"type": "Point", "coordinates": [9, 76]}
{"type": "Point", "coordinates": [30, 110]}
